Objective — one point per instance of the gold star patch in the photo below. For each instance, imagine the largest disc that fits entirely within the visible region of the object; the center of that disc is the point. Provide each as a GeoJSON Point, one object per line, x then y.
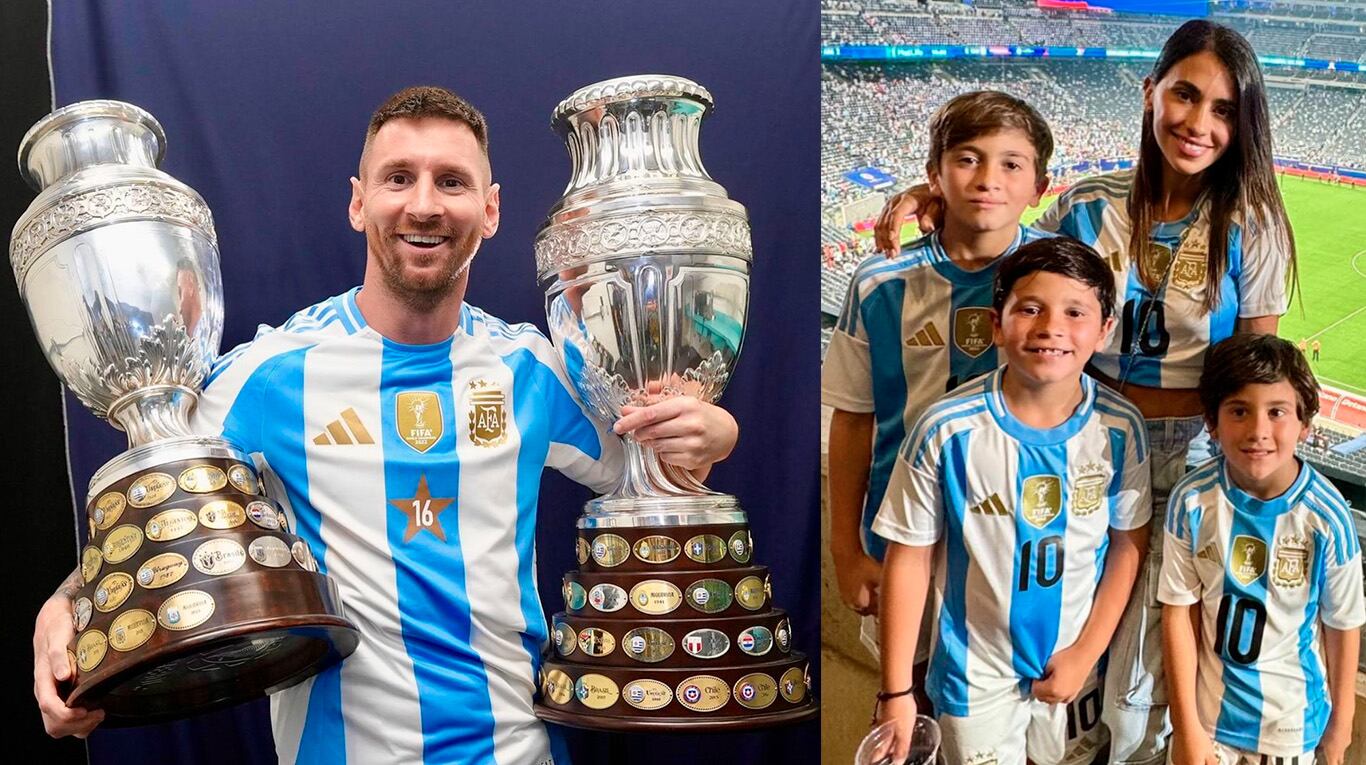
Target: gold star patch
{"type": "Point", "coordinates": [423, 511]}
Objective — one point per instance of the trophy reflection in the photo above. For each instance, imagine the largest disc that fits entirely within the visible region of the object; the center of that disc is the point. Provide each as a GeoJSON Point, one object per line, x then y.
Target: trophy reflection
{"type": "Point", "coordinates": [876, 748]}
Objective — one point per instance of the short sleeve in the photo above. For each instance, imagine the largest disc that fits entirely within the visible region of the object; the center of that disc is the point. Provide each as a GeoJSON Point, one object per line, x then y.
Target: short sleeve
{"type": "Point", "coordinates": [1131, 506]}
{"type": "Point", "coordinates": [847, 373]}
{"type": "Point", "coordinates": [912, 511]}
{"type": "Point", "coordinates": [1342, 605]}
{"type": "Point", "coordinates": [1178, 583]}
{"type": "Point", "coordinates": [1052, 219]}
{"type": "Point", "coordinates": [1262, 284]}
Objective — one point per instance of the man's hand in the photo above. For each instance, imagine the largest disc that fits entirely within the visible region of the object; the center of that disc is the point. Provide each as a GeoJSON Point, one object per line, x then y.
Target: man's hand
{"type": "Point", "coordinates": [52, 632]}
{"type": "Point", "coordinates": [917, 200]}
{"type": "Point", "coordinates": [1064, 676]}
{"type": "Point", "coordinates": [682, 430]}
{"type": "Point", "coordinates": [1333, 745]}
{"type": "Point", "coordinates": [858, 575]}
{"type": "Point", "coordinates": [1193, 748]}
{"type": "Point", "coordinates": [902, 710]}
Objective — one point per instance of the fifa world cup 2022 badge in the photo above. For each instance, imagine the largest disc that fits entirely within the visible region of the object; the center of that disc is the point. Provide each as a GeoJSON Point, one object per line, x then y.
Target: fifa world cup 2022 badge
{"type": "Point", "coordinates": [1292, 561]}
{"type": "Point", "coordinates": [487, 414]}
{"type": "Point", "coordinates": [419, 421]}
{"type": "Point", "coordinates": [1041, 499]}
{"type": "Point", "coordinates": [1248, 561]}
{"type": "Point", "coordinates": [1088, 489]}
{"type": "Point", "coordinates": [972, 330]}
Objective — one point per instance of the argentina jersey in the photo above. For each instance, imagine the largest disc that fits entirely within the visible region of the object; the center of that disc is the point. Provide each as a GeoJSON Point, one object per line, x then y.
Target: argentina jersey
{"type": "Point", "coordinates": [1020, 519]}
{"type": "Point", "coordinates": [1266, 574]}
{"type": "Point", "coordinates": [913, 328]}
{"type": "Point", "coordinates": [1161, 339]}
{"type": "Point", "coordinates": [413, 471]}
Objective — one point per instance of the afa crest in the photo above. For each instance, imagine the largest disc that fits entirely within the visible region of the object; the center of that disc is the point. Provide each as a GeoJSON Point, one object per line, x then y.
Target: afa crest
{"type": "Point", "coordinates": [1247, 562]}
{"type": "Point", "coordinates": [972, 330]}
{"type": "Point", "coordinates": [487, 414]}
{"type": "Point", "coordinates": [1088, 489]}
{"type": "Point", "coordinates": [1041, 499]}
{"type": "Point", "coordinates": [1290, 568]}
{"type": "Point", "coordinates": [419, 420]}
{"type": "Point", "coordinates": [1192, 262]}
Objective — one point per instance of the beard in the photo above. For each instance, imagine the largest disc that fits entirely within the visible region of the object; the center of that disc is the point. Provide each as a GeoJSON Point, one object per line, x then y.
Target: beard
{"type": "Point", "coordinates": [427, 291]}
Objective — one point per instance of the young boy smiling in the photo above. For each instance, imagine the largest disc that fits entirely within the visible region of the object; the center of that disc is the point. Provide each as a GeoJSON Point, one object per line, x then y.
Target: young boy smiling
{"type": "Point", "coordinates": [1028, 490]}
{"type": "Point", "coordinates": [1261, 557]}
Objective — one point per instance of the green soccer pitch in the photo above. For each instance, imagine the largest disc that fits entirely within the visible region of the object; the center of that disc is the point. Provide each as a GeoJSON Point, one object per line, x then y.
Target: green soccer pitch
{"type": "Point", "coordinates": [1330, 305]}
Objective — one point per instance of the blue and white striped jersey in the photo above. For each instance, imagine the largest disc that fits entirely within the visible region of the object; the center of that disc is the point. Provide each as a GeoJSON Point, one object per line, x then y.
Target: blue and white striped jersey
{"type": "Point", "coordinates": [1170, 351]}
{"type": "Point", "coordinates": [1266, 574]}
{"type": "Point", "coordinates": [413, 472]}
{"type": "Point", "coordinates": [913, 328]}
{"type": "Point", "coordinates": [1020, 518]}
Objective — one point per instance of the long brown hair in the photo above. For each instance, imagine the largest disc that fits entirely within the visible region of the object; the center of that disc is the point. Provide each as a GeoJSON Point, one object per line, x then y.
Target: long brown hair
{"type": "Point", "coordinates": [1241, 182]}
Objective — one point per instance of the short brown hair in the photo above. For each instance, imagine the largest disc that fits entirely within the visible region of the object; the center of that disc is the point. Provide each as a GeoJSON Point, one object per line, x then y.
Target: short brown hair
{"type": "Point", "coordinates": [982, 112]}
{"type": "Point", "coordinates": [1061, 255]}
{"type": "Point", "coordinates": [422, 101]}
{"type": "Point", "coordinates": [1247, 359]}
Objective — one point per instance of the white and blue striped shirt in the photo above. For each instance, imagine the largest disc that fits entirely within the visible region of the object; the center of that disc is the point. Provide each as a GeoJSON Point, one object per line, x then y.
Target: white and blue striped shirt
{"type": "Point", "coordinates": [413, 472]}
{"type": "Point", "coordinates": [1266, 574]}
{"type": "Point", "coordinates": [912, 329]}
{"type": "Point", "coordinates": [1020, 517]}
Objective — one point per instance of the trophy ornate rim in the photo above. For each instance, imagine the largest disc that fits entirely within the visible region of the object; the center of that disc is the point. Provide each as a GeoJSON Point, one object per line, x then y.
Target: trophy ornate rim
{"type": "Point", "coordinates": [164, 450]}
{"type": "Point", "coordinates": [626, 88]}
{"type": "Point", "coordinates": [82, 110]}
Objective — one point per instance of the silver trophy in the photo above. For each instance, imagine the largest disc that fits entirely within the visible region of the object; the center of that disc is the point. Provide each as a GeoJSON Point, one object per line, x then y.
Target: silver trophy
{"type": "Point", "coordinates": [117, 263]}
{"type": "Point", "coordinates": [645, 262]}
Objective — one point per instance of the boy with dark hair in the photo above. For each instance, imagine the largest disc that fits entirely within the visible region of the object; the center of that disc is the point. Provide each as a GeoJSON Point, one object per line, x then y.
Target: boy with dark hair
{"type": "Point", "coordinates": [1028, 488]}
{"type": "Point", "coordinates": [917, 326]}
{"type": "Point", "coordinates": [1261, 556]}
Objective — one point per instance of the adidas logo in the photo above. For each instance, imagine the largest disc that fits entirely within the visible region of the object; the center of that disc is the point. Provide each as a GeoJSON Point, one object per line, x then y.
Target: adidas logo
{"type": "Point", "coordinates": [990, 506]}
{"type": "Point", "coordinates": [346, 430]}
{"type": "Point", "coordinates": [1115, 261]}
{"type": "Point", "coordinates": [1210, 553]}
{"type": "Point", "coordinates": [927, 337]}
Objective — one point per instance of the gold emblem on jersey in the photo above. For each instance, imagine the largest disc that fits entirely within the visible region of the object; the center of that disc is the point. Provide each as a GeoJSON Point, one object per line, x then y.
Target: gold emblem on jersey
{"type": "Point", "coordinates": [1088, 489]}
{"type": "Point", "coordinates": [1248, 562]}
{"type": "Point", "coordinates": [972, 330]}
{"type": "Point", "coordinates": [990, 506]}
{"type": "Point", "coordinates": [1192, 262]}
{"type": "Point", "coordinates": [1292, 561]}
{"type": "Point", "coordinates": [1041, 499]}
{"type": "Point", "coordinates": [1210, 552]}
{"type": "Point", "coordinates": [926, 337]}
{"type": "Point", "coordinates": [1154, 266]}
{"type": "Point", "coordinates": [419, 421]}
{"type": "Point", "coordinates": [488, 414]}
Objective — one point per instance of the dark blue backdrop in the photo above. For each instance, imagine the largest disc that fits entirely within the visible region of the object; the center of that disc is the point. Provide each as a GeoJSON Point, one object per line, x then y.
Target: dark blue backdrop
{"type": "Point", "coordinates": [265, 105]}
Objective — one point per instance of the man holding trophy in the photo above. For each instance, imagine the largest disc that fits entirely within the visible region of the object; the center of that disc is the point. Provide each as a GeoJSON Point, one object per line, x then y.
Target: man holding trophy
{"type": "Point", "coordinates": [406, 431]}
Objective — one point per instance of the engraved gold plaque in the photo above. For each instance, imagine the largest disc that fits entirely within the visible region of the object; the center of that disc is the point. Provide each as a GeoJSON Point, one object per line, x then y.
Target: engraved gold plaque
{"type": "Point", "coordinates": [647, 694]}
{"type": "Point", "coordinates": [169, 525]}
{"type": "Point", "coordinates": [706, 643]}
{"type": "Point", "coordinates": [303, 556]}
{"type": "Point", "coordinates": [263, 514]}
{"type": "Point", "coordinates": [575, 598]}
{"type": "Point", "coordinates": [202, 479]}
{"type": "Point", "coordinates": [792, 685]}
{"type": "Point", "coordinates": [647, 644]}
{"type": "Point", "coordinates": [705, 548]}
{"type": "Point", "coordinates": [582, 551]}
{"type": "Point", "coordinates": [596, 691]}
{"type": "Point", "coordinates": [186, 610]}
{"type": "Point", "coordinates": [656, 597]}
{"type": "Point", "coordinates": [703, 693]}
{"type": "Point", "coordinates": [80, 613]}
{"type": "Point", "coordinates": [565, 640]}
{"type": "Point", "coordinates": [163, 570]}
{"type": "Point", "coordinates": [107, 510]}
{"type": "Point", "coordinates": [91, 559]}
{"type": "Point", "coordinates": [131, 629]}
{"type": "Point", "coordinates": [656, 549]}
{"type": "Point", "coordinates": [112, 591]}
{"type": "Point", "coordinates": [90, 650]}
{"type": "Point", "coordinates": [269, 551]}
{"type": "Point", "coordinates": [217, 557]}
{"type": "Point", "coordinates": [1041, 499]}
{"type": "Point", "coordinates": [741, 546]}
{"type": "Point", "coordinates": [607, 597]}
{"type": "Point", "coordinates": [150, 490]}
{"type": "Point", "coordinates": [710, 596]}
{"type": "Point", "coordinates": [122, 543]}
{"type": "Point", "coordinates": [756, 691]}
{"type": "Point", "coordinates": [242, 479]}
{"type": "Point", "coordinates": [749, 593]}
{"type": "Point", "coordinates": [595, 641]}
{"type": "Point", "coordinates": [558, 687]}
{"type": "Point", "coordinates": [610, 550]}
{"type": "Point", "coordinates": [222, 514]}
{"type": "Point", "coordinates": [783, 634]}
{"type": "Point", "coordinates": [755, 641]}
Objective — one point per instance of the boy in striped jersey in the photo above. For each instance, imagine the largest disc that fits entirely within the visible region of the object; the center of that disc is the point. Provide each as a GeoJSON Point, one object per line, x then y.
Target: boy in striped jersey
{"type": "Point", "coordinates": [1262, 562]}
{"type": "Point", "coordinates": [1028, 489]}
{"type": "Point", "coordinates": [918, 326]}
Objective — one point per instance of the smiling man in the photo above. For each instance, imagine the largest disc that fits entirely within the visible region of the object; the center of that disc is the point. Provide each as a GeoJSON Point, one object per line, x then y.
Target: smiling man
{"type": "Point", "coordinates": [362, 410]}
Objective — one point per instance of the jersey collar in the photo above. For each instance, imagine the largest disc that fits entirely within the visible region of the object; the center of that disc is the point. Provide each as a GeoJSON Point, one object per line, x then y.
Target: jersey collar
{"type": "Point", "coordinates": [1263, 507]}
{"type": "Point", "coordinates": [955, 273]}
{"type": "Point", "coordinates": [996, 403]}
